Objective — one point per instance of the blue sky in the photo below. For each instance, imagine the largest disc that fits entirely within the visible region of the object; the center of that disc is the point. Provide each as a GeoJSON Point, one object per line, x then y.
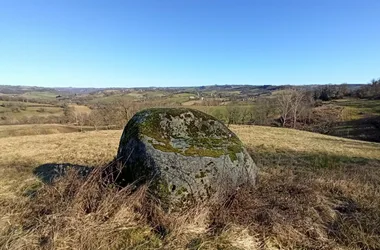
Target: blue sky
{"type": "Point", "coordinates": [125, 43]}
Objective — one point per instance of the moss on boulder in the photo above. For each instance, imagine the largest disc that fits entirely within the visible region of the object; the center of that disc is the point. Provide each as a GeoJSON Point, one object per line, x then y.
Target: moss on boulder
{"type": "Point", "coordinates": [185, 153]}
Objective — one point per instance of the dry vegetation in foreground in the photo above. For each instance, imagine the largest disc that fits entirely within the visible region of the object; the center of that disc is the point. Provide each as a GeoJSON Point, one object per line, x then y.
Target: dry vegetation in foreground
{"type": "Point", "coordinates": [314, 192]}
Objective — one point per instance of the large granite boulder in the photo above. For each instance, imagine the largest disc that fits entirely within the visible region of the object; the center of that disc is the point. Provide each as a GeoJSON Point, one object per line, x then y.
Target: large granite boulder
{"type": "Point", "coordinates": [184, 154]}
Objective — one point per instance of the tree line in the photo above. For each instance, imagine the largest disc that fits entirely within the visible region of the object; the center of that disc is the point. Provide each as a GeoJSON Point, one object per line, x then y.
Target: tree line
{"type": "Point", "coordinates": [371, 90]}
{"type": "Point", "coordinates": [292, 107]}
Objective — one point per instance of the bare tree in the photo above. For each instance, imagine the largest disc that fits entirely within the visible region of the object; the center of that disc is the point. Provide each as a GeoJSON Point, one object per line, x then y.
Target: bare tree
{"type": "Point", "coordinates": [292, 103]}
{"type": "Point", "coordinates": [82, 119]}
{"type": "Point", "coordinates": [297, 97]}
{"type": "Point", "coordinates": [125, 107]}
{"type": "Point", "coordinates": [69, 114]}
{"type": "Point", "coordinates": [94, 119]}
{"type": "Point", "coordinates": [284, 101]}
{"type": "Point", "coordinates": [263, 109]}
{"type": "Point", "coordinates": [233, 114]}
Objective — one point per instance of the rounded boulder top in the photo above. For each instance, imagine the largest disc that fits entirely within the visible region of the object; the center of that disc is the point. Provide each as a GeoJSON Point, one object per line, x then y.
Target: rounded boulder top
{"type": "Point", "coordinates": [184, 131]}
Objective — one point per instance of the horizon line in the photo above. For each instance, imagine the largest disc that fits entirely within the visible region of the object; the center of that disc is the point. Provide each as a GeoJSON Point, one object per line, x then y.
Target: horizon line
{"type": "Point", "coordinates": [173, 87]}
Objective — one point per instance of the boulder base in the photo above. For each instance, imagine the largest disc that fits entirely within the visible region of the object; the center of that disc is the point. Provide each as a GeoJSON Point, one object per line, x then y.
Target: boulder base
{"type": "Point", "coordinates": [184, 154]}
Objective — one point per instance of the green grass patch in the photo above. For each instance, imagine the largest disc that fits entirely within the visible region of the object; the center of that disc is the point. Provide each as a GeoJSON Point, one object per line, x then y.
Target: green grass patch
{"type": "Point", "coordinates": [358, 108]}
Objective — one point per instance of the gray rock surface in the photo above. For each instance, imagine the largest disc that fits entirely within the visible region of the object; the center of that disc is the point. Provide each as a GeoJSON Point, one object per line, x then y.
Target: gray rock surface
{"type": "Point", "coordinates": [184, 154]}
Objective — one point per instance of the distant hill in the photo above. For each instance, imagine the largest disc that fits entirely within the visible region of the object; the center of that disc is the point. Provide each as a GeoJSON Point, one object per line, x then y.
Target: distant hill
{"type": "Point", "coordinates": [17, 90]}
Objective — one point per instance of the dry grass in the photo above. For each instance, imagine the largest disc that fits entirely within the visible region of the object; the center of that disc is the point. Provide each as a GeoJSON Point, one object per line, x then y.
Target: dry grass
{"type": "Point", "coordinates": [78, 214]}
{"type": "Point", "coordinates": [314, 192]}
{"type": "Point", "coordinates": [272, 138]}
{"type": "Point", "coordinates": [81, 108]}
{"type": "Point", "coordinates": [88, 148]}
{"type": "Point", "coordinates": [36, 129]}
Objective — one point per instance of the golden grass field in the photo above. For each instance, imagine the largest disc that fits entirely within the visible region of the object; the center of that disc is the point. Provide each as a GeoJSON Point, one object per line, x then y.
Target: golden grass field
{"type": "Point", "coordinates": [314, 192]}
{"type": "Point", "coordinates": [35, 129]}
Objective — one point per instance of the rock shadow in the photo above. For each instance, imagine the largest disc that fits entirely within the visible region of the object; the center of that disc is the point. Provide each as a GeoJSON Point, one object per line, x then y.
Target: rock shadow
{"type": "Point", "coordinates": [50, 171]}
{"type": "Point", "coordinates": [365, 129]}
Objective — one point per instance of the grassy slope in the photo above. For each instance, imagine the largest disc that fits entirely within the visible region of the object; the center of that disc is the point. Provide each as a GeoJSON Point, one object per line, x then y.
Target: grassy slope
{"type": "Point", "coordinates": [314, 192]}
{"type": "Point", "coordinates": [40, 95]}
{"type": "Point", "coordinates": [31, 110]}
{"type": "Point", "coordinates": [131, 96]}
{"type": "Point", "coordinates": [38, 129]}
{"type": "Point", "coordinates": [359, 107]}
{"type": "Point", "coordinates": [81, 109]}
{"type": "Point", "coordinates": [360, 119]}
{"type": "Point", "coordinates": [280, 139]}
{"type": "Point", "coordinates": [28, 104]}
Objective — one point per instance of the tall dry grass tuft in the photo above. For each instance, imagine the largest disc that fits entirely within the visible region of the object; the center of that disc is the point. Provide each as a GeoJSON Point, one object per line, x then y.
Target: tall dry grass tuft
{"type": "Point", "coordinates": [82, 213]}
{"type": "Point", "coordinates": [307, 210]}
